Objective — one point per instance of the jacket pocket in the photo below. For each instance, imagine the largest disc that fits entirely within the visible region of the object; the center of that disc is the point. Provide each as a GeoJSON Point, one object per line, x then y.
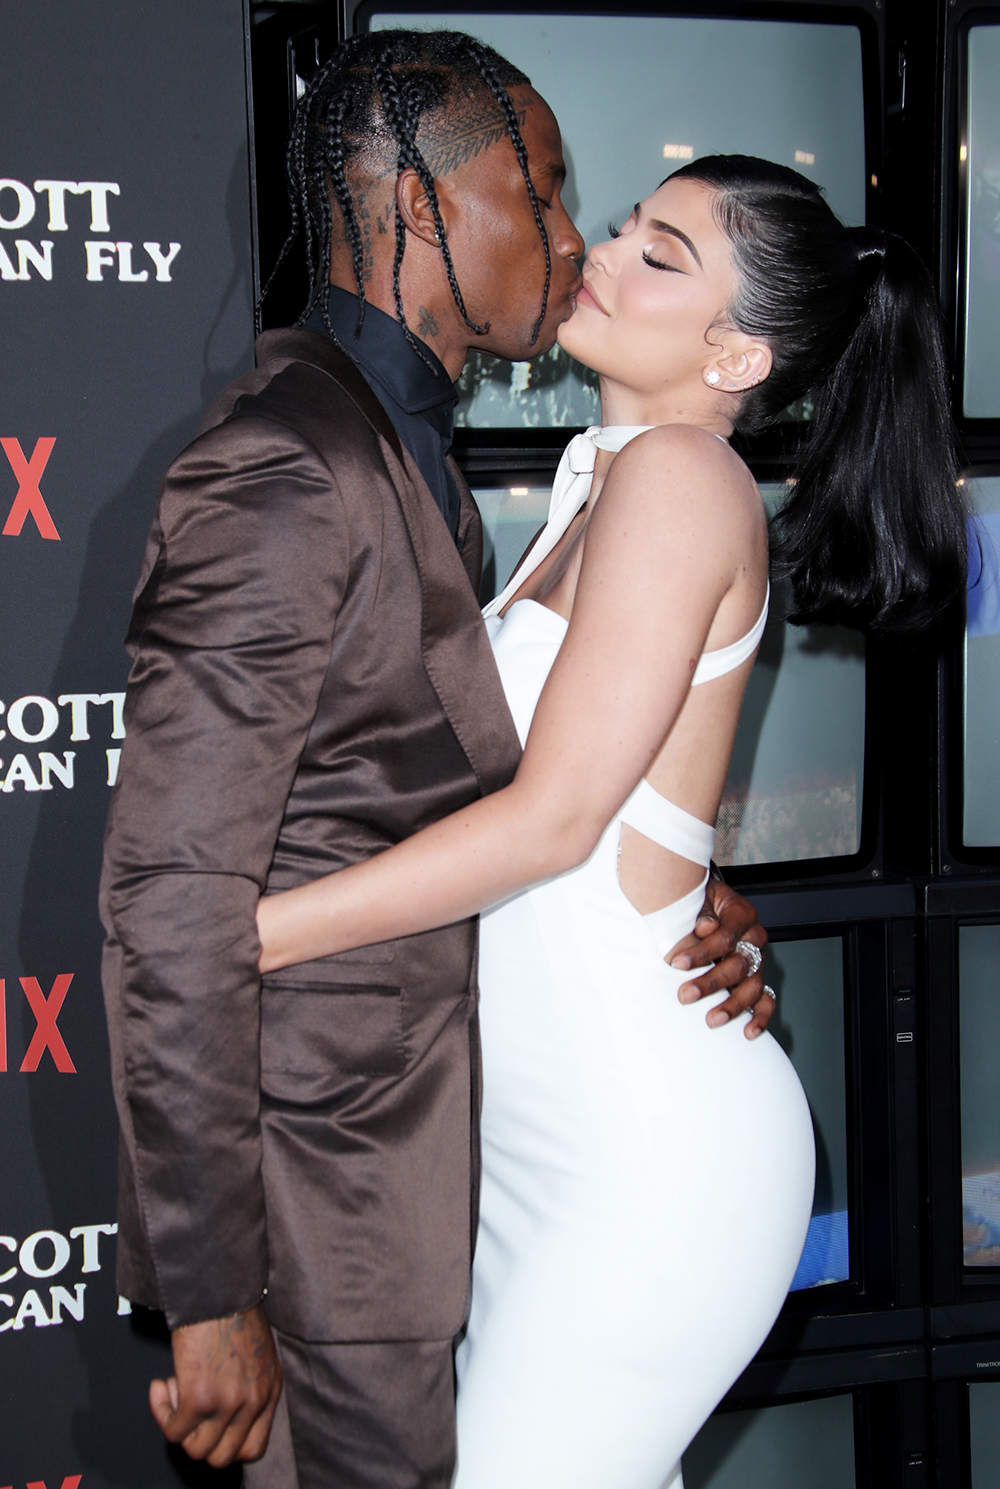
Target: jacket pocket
{"type": "Point", "coordinates": [325, 1029]}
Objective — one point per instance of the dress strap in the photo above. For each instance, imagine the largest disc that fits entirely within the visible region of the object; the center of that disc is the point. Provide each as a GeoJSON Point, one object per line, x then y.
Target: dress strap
{"type": "Point", "coordinates": [671, 826]}
{"type": "Point", "coordinates": [713, 664]}
{"type": "Point", "coordinates": [570, 490]}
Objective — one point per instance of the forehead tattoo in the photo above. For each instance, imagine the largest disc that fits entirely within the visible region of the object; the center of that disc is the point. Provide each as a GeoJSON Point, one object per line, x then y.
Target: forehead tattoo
{"type": "Point", "coordinates": [450, 139]}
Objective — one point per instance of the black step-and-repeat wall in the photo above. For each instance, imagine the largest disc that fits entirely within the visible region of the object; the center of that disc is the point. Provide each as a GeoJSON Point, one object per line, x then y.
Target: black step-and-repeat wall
{"type": "Point", "coordinates": [125, 306]}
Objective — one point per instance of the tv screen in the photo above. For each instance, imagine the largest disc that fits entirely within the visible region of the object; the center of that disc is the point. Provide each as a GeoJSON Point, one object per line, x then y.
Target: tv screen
{"type": "Point", "coordinates": [981, 249]}
{"type": "Point", "coordinates": [984, 1433]}
{"type": "Point", "coordinates": [795, 786]}
{"type": "Point", "coordinates": [803, 1445]}
{"type": "Point", "coordinates": [808, 977]}
{"type": "Point", "coordinates": [634, 100]}
{"type": "Point", "coordinates": [979, 1054]}
{"type": "Point", "coordinates": [981, 805]}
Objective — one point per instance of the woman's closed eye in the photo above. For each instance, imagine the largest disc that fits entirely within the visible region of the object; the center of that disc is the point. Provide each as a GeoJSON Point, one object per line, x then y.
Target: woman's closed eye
{"type": "Point", "coordinates": [653, 263]}
{"type": "Point", "coordinates": [615, 232]}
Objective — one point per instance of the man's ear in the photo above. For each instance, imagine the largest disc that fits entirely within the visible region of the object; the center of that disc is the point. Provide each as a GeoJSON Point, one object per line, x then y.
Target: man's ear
{"type": "Point", "coordinates": [743, 364]}
{"type": "Point", "coordinates": [414, 207]}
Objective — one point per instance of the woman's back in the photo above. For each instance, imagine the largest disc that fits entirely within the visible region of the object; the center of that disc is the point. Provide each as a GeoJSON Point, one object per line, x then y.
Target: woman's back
{"type": "Point", "coordinates": [689, 768]}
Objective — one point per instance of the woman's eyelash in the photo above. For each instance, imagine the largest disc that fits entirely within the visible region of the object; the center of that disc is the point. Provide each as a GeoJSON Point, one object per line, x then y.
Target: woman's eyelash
{"type": "Point", "coordinates": [615, 232]}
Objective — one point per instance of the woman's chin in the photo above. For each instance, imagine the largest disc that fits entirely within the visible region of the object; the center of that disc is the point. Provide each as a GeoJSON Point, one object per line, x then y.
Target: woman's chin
{"type": "Point", "coordinates": [570, 341]}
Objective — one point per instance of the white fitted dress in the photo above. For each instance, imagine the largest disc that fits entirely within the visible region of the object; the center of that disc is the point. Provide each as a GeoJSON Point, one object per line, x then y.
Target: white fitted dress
{"type": "Point", "coordinates": [647, 1181]}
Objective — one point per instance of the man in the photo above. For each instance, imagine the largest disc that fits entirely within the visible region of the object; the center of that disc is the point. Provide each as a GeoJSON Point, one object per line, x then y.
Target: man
{"type": "Point", "coordinates": [312, 682]}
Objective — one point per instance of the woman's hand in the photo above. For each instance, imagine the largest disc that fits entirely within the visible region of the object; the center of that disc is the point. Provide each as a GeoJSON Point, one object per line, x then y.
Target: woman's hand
{"type": "Point", "coordinates": [725, 919]}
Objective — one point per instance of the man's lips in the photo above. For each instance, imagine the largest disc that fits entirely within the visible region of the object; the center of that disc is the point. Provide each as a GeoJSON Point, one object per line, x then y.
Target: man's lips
{"type": "Point", "coordinates": [586, 296]}
{"type": "Point", "coordinates": [572, 293]}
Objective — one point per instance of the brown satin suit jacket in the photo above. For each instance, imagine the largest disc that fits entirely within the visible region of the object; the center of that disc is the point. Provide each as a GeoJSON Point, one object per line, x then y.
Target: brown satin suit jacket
{"type": "Point", "coordinates": [311, 683]}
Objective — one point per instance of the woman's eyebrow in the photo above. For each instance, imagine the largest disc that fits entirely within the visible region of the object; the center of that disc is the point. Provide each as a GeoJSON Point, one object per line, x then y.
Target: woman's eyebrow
{"type": "Point", "coordinates": [675, 232]}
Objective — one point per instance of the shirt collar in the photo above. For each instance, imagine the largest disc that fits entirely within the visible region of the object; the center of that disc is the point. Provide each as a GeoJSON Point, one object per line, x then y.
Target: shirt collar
{"type": "Point", "coordinates": [384, 353]}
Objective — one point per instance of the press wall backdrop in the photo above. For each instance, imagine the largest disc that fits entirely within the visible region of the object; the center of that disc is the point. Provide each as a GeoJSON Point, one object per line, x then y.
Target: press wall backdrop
{"type": "Point", "coordinates": [125, 306]}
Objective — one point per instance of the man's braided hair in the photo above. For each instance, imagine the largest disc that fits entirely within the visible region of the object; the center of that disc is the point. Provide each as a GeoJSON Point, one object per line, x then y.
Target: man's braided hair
{"type": "Point", "coordinates": [374, 91]}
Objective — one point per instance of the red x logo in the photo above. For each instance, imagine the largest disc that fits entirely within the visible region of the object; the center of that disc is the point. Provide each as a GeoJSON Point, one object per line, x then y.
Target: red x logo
{"type": "Point", "coordinates": [71, 1481]}
{"type": "Point", "coordinates": [46, 1035]}
{"type": "Point", "coordinates": [28, 498]}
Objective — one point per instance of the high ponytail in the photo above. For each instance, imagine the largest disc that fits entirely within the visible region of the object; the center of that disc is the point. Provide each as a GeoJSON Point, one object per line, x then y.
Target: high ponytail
{"type": "Point", "coordinates": [873, 531]}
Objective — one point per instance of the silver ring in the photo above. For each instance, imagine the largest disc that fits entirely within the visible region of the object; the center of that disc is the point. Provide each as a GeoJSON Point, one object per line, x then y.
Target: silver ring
{"type": "Point", "coordinates": [771, 993]}
{"type": "Point", "coordinates": [752, 955]}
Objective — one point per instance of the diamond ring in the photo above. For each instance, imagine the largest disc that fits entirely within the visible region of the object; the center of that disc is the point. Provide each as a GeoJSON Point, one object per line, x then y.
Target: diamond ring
{"type": "Point", "coordinates": [771, 993]}
{"type": "Point", "coordinates": [752, 955]}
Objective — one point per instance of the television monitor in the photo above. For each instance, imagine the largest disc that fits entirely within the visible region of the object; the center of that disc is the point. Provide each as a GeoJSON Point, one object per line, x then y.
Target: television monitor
{"type": "Point", "coordinates": [979, 1049]}
{"type": "Point", "coordinates": [630, 96]}
{"type": "Point", "coordinates": [809, 1024]}
{"type": "Point", "coordinates": [966, 1414]}
{"type": "Point", "coordinates": [963, 1110]}
{"type": "Point", "coordinates": [795, 790]}
{"type": "Point", "coordinates": [979, 166]}
{"type": "Point", "coordinates": [984, 1433]}
{"type": "Point", "coordinates": [796, 1445]}
{"type": "Point", "coordinates": [981, 670]}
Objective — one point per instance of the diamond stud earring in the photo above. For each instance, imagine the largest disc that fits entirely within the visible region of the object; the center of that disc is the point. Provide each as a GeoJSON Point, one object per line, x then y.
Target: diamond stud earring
{"type": "Point", "coordinates": [712, 377]}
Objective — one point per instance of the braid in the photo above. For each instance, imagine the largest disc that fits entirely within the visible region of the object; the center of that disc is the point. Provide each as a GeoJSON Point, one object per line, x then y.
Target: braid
{"type": "Point", "coordinates": [341, 190]}
{"type": "Point", "coordinates": [379, 82]}
{"type": "Point", "coordinates": [482, 57]}
{"type": "Point", "coordinates": [401, 107]}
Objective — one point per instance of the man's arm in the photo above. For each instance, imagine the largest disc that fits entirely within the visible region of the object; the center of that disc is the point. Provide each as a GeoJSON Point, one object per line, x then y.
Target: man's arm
{"type": "Point", "coordinates": [220, 1404]}
{"type": "Point", "coordinates": [232, 636]}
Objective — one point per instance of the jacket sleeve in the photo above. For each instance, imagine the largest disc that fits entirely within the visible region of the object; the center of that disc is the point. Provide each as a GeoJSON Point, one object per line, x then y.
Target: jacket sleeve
{"type": "Point", "coordinates": [231, 637]}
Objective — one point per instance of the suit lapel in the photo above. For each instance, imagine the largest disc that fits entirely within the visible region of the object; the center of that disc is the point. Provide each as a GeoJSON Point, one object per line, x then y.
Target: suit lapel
{"type": "Point", "coordinates": [454, 643]}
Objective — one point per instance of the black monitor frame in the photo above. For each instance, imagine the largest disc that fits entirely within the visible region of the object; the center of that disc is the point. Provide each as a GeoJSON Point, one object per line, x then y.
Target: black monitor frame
{"type": "Point", "coordinates": [953, 1368]}
{"type": "Point", "coordinates": [881, 1301]}
{"type": "Point", "coordinates": [892, 1437]}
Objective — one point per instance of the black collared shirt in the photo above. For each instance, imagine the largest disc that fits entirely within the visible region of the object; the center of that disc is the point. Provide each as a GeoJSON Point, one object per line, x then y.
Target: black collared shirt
{"type": "Point", "coordinates": [420, 400]}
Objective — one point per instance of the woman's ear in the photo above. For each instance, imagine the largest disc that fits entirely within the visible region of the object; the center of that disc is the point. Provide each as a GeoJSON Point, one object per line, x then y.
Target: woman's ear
{"type": "Point", "coordinates": [742, 366]}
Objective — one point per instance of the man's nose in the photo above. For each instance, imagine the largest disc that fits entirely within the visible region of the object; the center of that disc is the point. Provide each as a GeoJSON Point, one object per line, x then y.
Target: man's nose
{"type": "Point", "coordinates": [568, 241]}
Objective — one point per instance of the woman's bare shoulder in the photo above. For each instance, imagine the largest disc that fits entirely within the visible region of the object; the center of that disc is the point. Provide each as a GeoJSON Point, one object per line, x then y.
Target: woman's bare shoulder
{"type": "Point", "coordinates": [684, 467]}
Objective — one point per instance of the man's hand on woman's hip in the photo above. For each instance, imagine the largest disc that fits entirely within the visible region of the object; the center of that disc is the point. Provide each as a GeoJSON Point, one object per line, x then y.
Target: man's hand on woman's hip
{"type": "Point", "coordinates": [725, 920]}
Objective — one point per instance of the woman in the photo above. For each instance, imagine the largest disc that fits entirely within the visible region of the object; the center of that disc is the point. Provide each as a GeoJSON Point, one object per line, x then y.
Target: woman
{"type": "Point", "coordinates": [618, 1166]}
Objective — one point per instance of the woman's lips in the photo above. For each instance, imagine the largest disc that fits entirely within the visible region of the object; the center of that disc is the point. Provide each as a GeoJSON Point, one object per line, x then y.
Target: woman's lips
{"type": "Point", "coordinates": [586, 296]}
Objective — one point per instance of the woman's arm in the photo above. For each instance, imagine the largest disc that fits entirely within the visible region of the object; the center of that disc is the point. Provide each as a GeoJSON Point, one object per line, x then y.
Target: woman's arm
{"type": "Point", "coordinates": [644, 604]}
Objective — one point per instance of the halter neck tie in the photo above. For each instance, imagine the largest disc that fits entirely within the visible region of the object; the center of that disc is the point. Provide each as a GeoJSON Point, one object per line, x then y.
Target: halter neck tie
{"type": "Point", "coordinates": [570, 490]}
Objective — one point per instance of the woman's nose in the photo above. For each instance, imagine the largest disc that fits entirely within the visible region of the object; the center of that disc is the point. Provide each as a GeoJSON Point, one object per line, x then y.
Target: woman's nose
{"type": "Point", "coordinates": [599, 254]}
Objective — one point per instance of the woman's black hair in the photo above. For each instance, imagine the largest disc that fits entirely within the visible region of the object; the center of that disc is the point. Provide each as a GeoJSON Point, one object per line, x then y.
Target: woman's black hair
{"type": "Point", "coordinates": [873, 531]}
{"type": "Point", "coordinates": [374, 91]}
